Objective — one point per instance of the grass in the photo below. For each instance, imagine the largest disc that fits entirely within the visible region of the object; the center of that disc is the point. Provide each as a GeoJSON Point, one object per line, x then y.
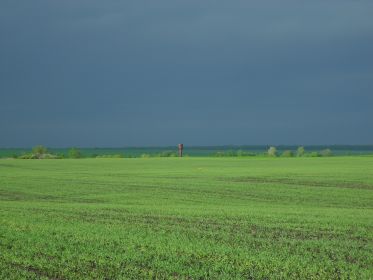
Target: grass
{"type": "Point", "coordinates": [190, 218]}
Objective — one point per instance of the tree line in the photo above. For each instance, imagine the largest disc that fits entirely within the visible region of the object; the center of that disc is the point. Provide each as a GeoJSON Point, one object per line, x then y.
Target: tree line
{"type": "Point", "coordinates": [41, 152]}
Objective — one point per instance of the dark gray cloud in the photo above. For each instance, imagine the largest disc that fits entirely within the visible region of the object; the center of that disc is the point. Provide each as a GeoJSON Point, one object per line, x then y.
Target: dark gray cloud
{"type": "Point", "coordinates": [118, 73]}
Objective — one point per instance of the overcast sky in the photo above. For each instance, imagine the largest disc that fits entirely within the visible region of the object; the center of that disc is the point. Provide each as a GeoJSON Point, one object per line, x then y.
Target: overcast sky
{"type": "Point", "coordinates": [135, 73]}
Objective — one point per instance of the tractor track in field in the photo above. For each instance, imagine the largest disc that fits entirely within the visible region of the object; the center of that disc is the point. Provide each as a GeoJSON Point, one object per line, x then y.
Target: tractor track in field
{"type": "Point", "coordinates": [37, 271]}
{"type": "Point", "coordinates": [297, 182]}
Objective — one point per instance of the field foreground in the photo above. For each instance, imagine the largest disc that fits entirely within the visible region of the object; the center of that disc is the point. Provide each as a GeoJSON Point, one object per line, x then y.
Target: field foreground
{"type": "Point", "coordinates": [190, 218]}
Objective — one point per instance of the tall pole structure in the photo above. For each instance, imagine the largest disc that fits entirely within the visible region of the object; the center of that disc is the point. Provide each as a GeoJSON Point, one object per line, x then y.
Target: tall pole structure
{"type": "Point", "coordinates": [181, 147]}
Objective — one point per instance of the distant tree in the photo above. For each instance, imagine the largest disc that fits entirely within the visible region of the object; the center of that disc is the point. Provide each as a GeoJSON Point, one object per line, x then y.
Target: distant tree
{"type": "Point", "coordinates": [301, 151]}
{"type": "Point", "coordinates": [326, 153]}
{"type": "Point", "coordinates": [75, 153]}
{"type": "Point", "coordinates": [272, 151]}
{"type": "Point", "coordinates": [287, 153]}
{"type": "Point", "coordinates": [39, 150]}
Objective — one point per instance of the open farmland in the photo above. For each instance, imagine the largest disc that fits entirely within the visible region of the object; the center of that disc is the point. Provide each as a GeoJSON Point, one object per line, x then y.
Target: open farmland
{"type": "Point", "coordinates": [189, 218]}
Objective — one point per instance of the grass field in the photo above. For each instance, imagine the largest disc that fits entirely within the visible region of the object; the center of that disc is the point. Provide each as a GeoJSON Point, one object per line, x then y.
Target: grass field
{"type": "Point", "coordinates": [190, 218]}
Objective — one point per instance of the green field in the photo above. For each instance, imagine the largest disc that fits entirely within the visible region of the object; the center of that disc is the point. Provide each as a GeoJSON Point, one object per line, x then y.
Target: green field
{"type": "Point", "coordinates": [189, 218]}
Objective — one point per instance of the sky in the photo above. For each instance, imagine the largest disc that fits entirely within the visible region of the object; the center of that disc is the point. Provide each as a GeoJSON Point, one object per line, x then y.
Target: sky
{"type": "Point", "coordinates": [112, 73]}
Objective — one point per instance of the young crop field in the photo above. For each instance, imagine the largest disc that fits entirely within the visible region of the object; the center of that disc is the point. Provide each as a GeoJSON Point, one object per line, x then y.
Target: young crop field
{"type": "Point", "coordinates": [187, 218]}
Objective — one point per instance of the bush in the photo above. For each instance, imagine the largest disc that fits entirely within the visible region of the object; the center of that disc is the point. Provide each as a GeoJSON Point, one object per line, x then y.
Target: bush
{"type": "Point", "coordinates": [232, 153]}
{"type": "Point", "coordinates": [326, 153]}
{"type": "Point", "coordinates": [168, 154]}
{"type": "Point", "coordinates": [39, 150]}
{"type": "Point", "coordinates": [301, 151]}
{"type": "Point", "coordinates": [48, 156]}
{"type": "Point", "coordinates": [241, 153]}
{"type": "Point", "coordinates": [110, 156]}
{"type": "Point", "coordinates": [75, 153]}
{"type": "Point", "coordinates": [28, 156]}
{"type": "Point", "coordinates": [38, 156]}
{"type": "Point", "coordinates": [287, 153]}
{"type": "Point", "coordinates": [272, 151]}
{"type": "Point", "coordinates": [314, 154]}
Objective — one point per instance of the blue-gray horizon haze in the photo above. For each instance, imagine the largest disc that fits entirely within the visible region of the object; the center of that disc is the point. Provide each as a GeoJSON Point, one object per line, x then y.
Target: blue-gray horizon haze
{"type": "Point", "coordinates": [157, 73]}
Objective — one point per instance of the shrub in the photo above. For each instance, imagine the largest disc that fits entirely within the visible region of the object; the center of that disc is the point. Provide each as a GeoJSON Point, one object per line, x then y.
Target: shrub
{"type": "Point", "coordinates": [272, 151]}
{"type": "Point", "coordinates": [38, 156]}
{"type": "Point", "coordinates": [301, 151]}
{"type": "Point", "coordinates": [287, 153]}
{"type": "Point", "coordinates": [241, 153]}
{"type": "Point", "coordinates": [75, 153]}
{"type": "Point", "coordinates": [219, 154]}
{"type": "Point", "coordinates": [314, 154]}
{"type": "Point", "coordinates": [28, 156]}
{"type": "Point", "coordinates": [48, 156]}
{"type": "Point", "coordinates": [326, 153]}
{"type": "Point", "coordinates": [39, 150]}
{"type": "Point", "coordinates": [117, 156]}
{"type": "Point", "coordinates": [230, 153]}
{"type": "Point", "coordinates": [110, 156]}
{"type": "Point", "coordinates": [168, 154]}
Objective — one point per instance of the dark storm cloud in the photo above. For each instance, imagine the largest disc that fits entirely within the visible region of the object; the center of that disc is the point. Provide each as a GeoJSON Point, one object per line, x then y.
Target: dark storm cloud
{"type": "Point", "coordinates": [116, 73]}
